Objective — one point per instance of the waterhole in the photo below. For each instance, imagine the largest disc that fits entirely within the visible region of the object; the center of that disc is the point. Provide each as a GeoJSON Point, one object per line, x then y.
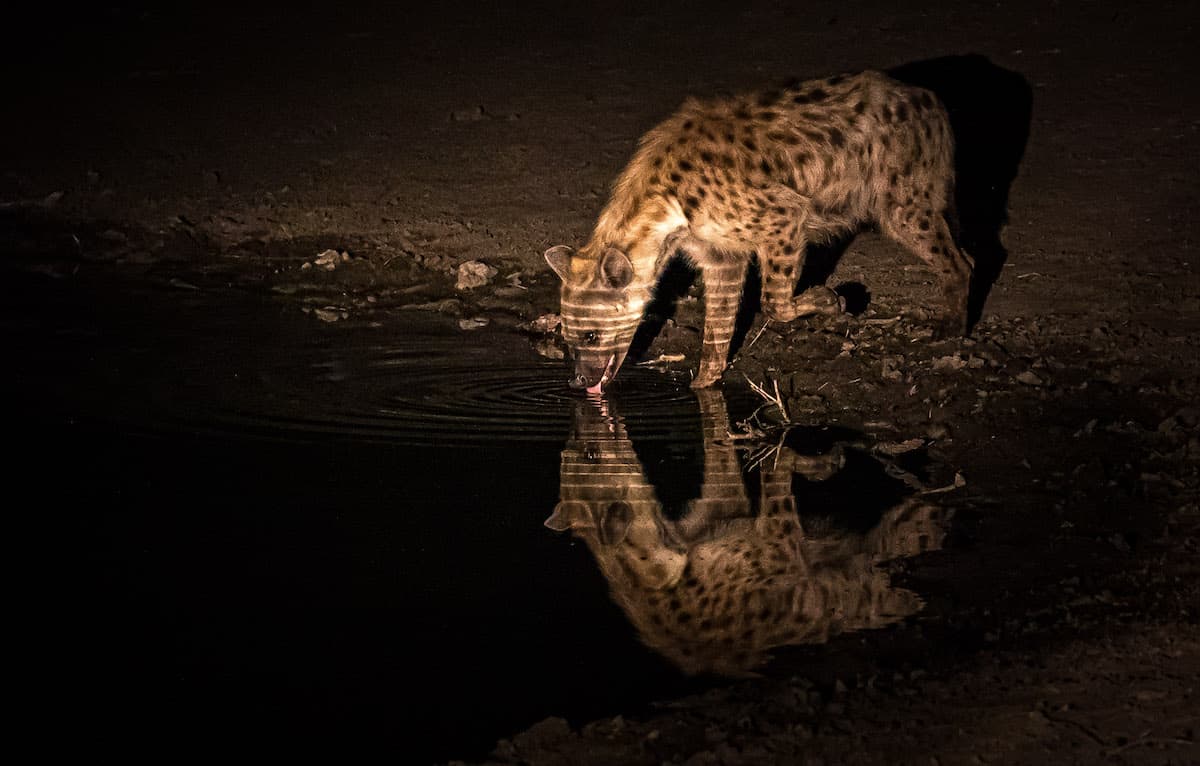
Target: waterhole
{"type": "Point", "coordinates": [258, 528]}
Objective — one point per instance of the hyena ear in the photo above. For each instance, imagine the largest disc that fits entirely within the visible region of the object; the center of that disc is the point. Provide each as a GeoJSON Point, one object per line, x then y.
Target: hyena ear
{"type": "Point", "coordinates": [615, 523]}
{"type": "Point", "coordinates": [559, 258]}
{"type": "Point", "coordinates": [616, 268]}
{"type": "Point", "coordinates": [566, 515]}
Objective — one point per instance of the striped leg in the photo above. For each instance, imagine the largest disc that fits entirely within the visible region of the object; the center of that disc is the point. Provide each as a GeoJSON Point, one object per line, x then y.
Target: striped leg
{"type": "Point", "coordinates": [722, 493]}
{"type": "Point", "coordinates": [723, 279]}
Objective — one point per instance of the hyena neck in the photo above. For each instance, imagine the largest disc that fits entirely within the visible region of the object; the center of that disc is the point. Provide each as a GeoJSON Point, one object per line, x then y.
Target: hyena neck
{"type": "Point", "coordinates": [638, 227]}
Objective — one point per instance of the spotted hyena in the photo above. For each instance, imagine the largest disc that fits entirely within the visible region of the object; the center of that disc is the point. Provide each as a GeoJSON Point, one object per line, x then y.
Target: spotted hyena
{"type": "Point", "coordinates": [762, 174]}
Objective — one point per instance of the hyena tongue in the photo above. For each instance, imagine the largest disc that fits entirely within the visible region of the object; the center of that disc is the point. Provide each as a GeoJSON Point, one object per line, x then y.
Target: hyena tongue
{"type": "Point", "coordinates": [604, 378]}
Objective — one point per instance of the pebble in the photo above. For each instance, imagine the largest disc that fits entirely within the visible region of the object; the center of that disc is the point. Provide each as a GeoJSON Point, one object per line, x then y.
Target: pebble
{"type": "Point", "coordinates": [472, 274]}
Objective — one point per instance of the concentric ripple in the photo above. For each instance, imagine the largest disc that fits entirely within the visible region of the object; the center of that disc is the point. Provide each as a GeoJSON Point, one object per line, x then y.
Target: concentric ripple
{"type": "Point", "coordinates": [437, 388]}
{"type": "Point", "coordinates": [240, 366]}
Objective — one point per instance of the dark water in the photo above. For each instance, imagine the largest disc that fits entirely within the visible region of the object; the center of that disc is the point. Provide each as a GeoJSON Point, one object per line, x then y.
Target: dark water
{"type": "Point", "coordinates": [249, 528]}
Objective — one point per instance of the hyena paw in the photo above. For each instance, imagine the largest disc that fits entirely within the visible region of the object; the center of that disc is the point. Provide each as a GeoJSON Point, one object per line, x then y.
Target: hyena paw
{"type": "Point", "coordinates": [819, 300]}
{"type": "Point", "coordinates": [811, 302]}
{"type": "Point", "coordinates": [950, 326]}
{"type": "Point", "coordinates": [781, 311]}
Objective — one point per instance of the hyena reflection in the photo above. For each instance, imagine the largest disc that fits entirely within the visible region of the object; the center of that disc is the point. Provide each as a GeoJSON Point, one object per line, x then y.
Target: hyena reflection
{"type": "Point", "coordinates": [715, 590]}
{"type": "Point", "coordinates": [765, 174]}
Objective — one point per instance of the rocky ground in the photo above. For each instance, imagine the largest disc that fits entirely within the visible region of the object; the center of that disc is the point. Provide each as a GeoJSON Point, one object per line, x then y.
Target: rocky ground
{"type": "Point", "coordinates": [355, 160]}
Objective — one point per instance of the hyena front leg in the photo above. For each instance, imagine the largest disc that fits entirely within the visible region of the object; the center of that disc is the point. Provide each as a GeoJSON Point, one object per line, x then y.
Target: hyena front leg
{"type": "Point", "coordinates": [780, 257]}
{"type": "Point", "coordinates": [723, 277]}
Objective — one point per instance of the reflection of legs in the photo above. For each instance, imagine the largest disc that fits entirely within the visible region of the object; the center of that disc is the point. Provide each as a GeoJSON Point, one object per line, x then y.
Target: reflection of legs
{"type": "Point", "coordinates": [723, 278]}
{"type": "Point", "coordinates": [927, 234]}
{"type": "Point", "coordinates": [722, 493]}
{"type": "Point", "coordinates": [780, 263]}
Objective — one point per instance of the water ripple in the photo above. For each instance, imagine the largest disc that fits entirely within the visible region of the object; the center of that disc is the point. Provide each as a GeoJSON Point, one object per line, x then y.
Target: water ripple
{"type": "Point", "coordinates": [436, 390]}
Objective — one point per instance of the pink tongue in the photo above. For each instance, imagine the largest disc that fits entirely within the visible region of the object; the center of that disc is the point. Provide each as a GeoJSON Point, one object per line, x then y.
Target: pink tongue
{"type": "Point", "coordinates": [604, 377]}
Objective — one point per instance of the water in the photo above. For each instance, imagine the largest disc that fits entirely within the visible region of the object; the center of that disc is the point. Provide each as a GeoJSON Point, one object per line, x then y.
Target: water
{"type": "Point", "coordinates": [253, 527]}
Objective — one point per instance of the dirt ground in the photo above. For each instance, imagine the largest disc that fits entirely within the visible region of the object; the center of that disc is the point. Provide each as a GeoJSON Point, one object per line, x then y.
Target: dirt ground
{"type": "Point", "coordinates": [213, 147]}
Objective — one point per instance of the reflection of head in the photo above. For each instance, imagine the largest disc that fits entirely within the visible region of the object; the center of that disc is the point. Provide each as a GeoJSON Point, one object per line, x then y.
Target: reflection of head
{"type": "Point", "coordinates": [607, 502]}
{"type": "Point", "coordinates": [715, 590]}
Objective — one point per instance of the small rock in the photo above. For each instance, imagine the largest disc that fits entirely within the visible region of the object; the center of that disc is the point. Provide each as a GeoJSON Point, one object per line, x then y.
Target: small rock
{"type": "Point", "coordinates": [474, 114]}
{"type": "Point", "coordinates": [949, 363]}
{"type": "Point", "coordinates": [330, 259]}
{"type": "Point", "coordinates": [702, 758]}
{"type": "Point", "coordinates": [472, 323]}
{"type": "Point", "coordinates": [510, 293]}
{"type": "Point", "coordinates": [938, 430]}
{"type": "Point", "coordinates": [1183, 420]}
{"type": "Point", "coordinates": [474, 274]}
{"type": "Point", "coordinates": [444, 306]}
{"type": "Point", "coordinates": [899, 448]}
{"type": "Point", "coordinates": [890, 368]}
{"type": "Point", "coordinates": [1029, 378]}
{"type": "Point", "coordinates": [545, 732]}
{"type": "Point", "coordinates": [546, 323]}
{"type": "Point", "coordinates": [549, 349]}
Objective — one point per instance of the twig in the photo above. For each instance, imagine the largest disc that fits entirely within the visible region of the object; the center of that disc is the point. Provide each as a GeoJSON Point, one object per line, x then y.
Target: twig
{"type": "Point", "coordinates": [1144, 740]}
{"type": "Point", "coordinates": [958, 483]}
{"type": "Point", "coordinates": [772, 451]}
{"type": "Point", "coordinates": [758, 389]}
{"type": "Point", "coordinates": [1088, 731]}
{"type": "Point", "coordinates": [756, 335]}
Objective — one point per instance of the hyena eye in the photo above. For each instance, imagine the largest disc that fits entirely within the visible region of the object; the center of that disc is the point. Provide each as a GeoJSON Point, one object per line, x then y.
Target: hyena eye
{"type": "Point", "coordinates": [591, 337]}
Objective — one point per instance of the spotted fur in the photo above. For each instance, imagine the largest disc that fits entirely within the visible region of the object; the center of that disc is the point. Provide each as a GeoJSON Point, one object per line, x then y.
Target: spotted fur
{"type": "Point", "coordinates": [716, 589]}
{"type": "Point", "coordinates": [763, 174]}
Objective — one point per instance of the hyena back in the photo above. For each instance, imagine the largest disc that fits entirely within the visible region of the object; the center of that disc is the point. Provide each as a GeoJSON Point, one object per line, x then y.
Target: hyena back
{"type": "Point", "coordinates": [762, 174]}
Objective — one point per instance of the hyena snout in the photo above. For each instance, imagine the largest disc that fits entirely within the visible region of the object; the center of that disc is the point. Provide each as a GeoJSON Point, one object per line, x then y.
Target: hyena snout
{"type": "Point", "coordinates": [594, 371]}
{"type": "Point", "coordinates": [582, 381]}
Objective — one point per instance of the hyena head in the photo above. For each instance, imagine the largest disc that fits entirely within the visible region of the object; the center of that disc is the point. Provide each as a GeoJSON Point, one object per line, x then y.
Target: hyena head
{"type": "Point", "coordinates": [600, 312]}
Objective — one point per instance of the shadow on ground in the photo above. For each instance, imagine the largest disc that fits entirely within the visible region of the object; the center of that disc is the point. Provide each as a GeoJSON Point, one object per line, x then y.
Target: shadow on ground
{"type": "Point", "coordinates": [990, 109]}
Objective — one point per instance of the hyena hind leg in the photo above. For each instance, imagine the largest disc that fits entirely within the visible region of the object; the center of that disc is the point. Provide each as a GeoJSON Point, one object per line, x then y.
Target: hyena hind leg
{"type": "Point", "coordinates": [780, 263]}
{"type": "Point", "coordinates": [927, 234]}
